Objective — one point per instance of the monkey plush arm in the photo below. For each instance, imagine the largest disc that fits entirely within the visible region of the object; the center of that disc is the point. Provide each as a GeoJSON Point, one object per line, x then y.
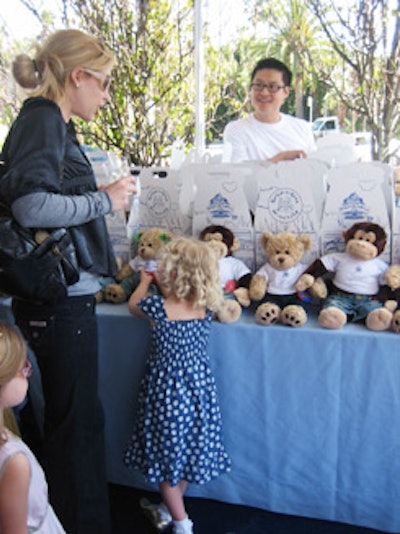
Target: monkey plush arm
{"type": "Point", "coordinates": [242, 291]}
{"type": "Point", "coordinates": [307, 279]}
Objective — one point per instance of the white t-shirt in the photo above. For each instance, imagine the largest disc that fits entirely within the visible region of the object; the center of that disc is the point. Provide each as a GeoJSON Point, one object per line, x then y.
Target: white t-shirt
{"type": "Point", "coordinates": [281, 282]}
{"type": "Point", "coordinates": [355, 276]}
{"type": "Point", "coordinates": [231, 268]}
{"type": "Point", "coordinates": [249, 139]}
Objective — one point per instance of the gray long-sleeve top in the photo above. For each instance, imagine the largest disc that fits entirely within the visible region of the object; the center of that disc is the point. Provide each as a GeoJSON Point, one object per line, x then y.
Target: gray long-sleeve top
{"type": "Point", "coordinates": [49, 183]}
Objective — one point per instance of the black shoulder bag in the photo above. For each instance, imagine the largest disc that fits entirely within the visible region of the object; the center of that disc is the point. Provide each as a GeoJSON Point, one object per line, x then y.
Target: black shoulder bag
{"type": "Point", "coordinates": [35, 265]}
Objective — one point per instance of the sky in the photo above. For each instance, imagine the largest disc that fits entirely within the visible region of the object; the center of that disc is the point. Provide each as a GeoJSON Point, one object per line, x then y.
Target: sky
{"type": "Point", "coordinates": [17, 19]}
{"type": "Point", "coordinates": [221, 17]}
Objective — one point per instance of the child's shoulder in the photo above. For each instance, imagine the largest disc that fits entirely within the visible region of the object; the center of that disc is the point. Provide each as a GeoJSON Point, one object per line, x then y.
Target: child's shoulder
{"type": "Point", "coordinates": [14, 454]}
{"type": "Point", "coordinates": [152, 305]}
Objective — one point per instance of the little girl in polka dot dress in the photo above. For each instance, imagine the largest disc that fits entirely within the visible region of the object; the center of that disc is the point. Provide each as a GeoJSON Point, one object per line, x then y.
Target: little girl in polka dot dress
{"type": "Point", "coordinates": [178, 435]}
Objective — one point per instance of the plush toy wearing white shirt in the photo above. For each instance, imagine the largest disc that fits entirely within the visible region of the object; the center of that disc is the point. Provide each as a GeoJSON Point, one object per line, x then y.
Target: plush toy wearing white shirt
{"type": "Point", "coordinates": [390, 295]}
{"type": "Point", "coordinates": [148, 245]}
{"type": "Point", "coordinates": [274, 283]}
{"type": "Point", "coordinates": [234, 274]}
{"type": "Point", "coordinates": [358, 275]}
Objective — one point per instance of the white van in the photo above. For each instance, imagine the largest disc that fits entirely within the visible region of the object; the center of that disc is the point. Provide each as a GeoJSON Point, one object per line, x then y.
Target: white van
{"type": "Point", "coordinates": [325, 125]}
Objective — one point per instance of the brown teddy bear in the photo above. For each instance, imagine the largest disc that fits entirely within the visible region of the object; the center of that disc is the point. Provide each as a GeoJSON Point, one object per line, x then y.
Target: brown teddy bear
{"type": "Point", "coordinates": [274, 283]}
{"type": "Point", "coordinates": [234, 274]}
{"type": "Point", "coordinates": [149, 244]}
{"type": "Point", "coordinates": [358, 275]}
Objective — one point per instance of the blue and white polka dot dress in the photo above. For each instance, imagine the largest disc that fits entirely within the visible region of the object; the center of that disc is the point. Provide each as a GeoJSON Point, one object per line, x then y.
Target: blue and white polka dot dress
{"type": "Point", "coordinates": [178, 434]}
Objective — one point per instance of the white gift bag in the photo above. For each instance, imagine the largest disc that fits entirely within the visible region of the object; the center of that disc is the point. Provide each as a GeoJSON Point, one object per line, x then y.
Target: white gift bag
{"type": "Point", "coordinates": [159, 201]}
{"type": "Point", "coordinates": [356, 192]}
{"type": "Point", "coordinates": [291, 196]}
{"type": "Point", "coordinates": [219, 198]}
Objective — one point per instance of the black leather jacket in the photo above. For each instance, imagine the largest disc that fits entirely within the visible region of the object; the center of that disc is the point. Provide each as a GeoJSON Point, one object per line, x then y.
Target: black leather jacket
{"type": "Point", "coordinates": [42, 154]}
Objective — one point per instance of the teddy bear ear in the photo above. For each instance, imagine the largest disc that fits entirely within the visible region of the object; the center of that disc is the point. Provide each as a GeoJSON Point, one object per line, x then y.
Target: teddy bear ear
{"type": "Point", "coordinates": [264, 238]}
{"type": "Point", "coordinates": [306, 241]}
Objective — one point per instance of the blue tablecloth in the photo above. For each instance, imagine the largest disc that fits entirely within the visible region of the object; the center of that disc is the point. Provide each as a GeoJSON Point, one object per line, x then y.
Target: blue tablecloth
{"type": "Point", "coordinates": [311, 416]}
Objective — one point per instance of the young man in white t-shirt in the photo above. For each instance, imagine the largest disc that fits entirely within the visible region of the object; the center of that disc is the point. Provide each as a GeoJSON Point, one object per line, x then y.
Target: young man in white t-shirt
{"type": "Point", "coordinates": [267, 134]}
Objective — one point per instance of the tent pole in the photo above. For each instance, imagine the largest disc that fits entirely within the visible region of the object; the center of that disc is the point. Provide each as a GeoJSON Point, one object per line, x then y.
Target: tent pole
{"type": "Point", "coordinates": [199, 85]}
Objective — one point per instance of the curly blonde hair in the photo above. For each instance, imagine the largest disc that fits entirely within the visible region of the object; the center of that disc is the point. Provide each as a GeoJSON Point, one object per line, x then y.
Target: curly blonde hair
{"type": "Point", "coordinates": [188, 269]}
{"type": "Point", "coordinates": [47, 74]}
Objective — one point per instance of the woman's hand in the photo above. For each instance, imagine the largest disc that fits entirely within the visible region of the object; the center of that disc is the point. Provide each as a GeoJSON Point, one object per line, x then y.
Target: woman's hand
{"type": "Point", "coordinates": [288, 155]}
{"type": "Point", "coordinates": [120, 191]}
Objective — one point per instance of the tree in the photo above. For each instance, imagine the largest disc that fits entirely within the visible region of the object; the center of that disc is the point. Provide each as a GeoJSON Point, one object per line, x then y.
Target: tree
{"type": "Point", "coordinates": [365, 39]}
{"type": "Point", "coordinates": [344, 55]}
{"type": "Point", "coordinates": [153, 84]}
{"type": "Point", "coordinates": [297, 40]}
{"type": "Point", "coordinates": [152, 93]}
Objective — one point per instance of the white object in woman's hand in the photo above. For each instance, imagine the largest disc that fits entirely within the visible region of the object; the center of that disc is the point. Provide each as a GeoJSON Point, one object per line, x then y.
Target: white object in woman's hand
{"type": "Point", "coordinates": [120, 191]}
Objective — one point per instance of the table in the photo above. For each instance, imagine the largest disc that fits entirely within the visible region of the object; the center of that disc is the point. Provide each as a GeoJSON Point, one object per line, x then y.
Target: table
{"type": "Point", "coordinates": [311, 416]}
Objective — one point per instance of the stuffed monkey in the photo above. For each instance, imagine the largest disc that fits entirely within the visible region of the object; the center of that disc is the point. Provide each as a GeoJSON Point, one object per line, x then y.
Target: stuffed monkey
{"type": "Point", "coordinates": [390, 295]}
{"type": "Point", "coordinates": [234, 274]}
{"type": "Point", "coordinates": [358, 275]}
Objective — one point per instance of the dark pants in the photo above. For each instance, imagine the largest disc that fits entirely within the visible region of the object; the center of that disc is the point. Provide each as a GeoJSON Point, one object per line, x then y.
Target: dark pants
{"type": "Point", "coordinates": [64, 340]}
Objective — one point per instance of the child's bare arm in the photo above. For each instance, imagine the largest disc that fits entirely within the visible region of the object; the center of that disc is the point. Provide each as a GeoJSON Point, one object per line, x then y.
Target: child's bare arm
{"type": "Point", "coordinates": [14, 488]}
{"type": "Point", "coordinates": [139, 293]}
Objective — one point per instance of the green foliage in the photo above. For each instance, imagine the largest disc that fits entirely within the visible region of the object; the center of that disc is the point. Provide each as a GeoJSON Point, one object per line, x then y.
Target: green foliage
{"type": "Point", "coordinates": [153, 88]}
{"type": "Point", "coordinates": [343, 58]}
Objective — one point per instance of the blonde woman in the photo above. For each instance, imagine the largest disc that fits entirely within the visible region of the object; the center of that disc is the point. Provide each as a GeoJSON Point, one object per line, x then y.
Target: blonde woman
{"type": "Point", "coordinates": [178, 437]}
{"type": "Point", "coordinates": [24, 505]}
{"type": "Point", "coordinates": [47, 182]}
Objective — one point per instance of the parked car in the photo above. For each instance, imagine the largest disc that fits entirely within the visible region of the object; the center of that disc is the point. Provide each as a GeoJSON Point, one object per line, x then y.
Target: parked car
{"type": "Point", "coordinates": [323, 126]}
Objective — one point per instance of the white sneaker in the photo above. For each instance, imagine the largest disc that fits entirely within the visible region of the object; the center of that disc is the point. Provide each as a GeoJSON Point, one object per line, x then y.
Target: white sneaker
{"type": "Point", "coordinates": [183, 527]}
{"type": "Point", "coordinates": [157, 514]}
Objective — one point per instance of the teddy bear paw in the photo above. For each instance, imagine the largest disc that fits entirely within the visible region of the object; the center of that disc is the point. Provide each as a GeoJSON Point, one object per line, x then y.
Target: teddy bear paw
{"type": "Point", "coordinates": [115, 294]}
{"type": "Point", "coordinates": [229, 312]}
{"type": "Point", "coordinates": [267, 314]}
{"type": "Point", "coordinates": [304, 282]}
{"type": "Point", "coordinates": [258, 287]}
{"type": "Point", "coordinates": [332, 318]}
{"type": "Point", "coordinates": [293, 315]}
{"type": "Point", "coordinates": [396, 322]}
{"type": "Point", "coordinates": [379, 319]}
{"type": "Point", "coordinates": [393, 276]}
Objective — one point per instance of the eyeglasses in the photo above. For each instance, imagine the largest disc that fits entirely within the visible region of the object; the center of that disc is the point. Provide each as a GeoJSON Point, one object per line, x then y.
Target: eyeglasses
{"type": "Point", "coordinates": [272, 87]}
{"type": "Point", "coordinates": [105, 79]}
{"type": "Point", "coordinates": [26, 370]}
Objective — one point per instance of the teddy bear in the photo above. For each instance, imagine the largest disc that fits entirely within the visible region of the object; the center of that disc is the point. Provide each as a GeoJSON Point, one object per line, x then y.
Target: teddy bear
{"type": "Point", "coordinates": [274, 282]}
{"type": "Point", "coordinates": [234, 274]}
{"type": "Point", "coordinates": [149, 244]}
{"type": "Point", "coordinates": [358, 273]}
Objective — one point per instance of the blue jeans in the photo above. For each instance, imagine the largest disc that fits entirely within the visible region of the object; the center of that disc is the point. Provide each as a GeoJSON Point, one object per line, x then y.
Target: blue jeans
{"type": "Point", "coordinates": [356, 307]}
{"type": "Point", "coordinates": [64, 340]}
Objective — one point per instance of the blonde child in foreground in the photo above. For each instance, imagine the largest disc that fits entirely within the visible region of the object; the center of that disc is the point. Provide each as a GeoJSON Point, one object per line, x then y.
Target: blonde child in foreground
{"type": "Point", "coordinates": [178, 435]}
{"type": "Point", "coordinates": [24, 505]}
